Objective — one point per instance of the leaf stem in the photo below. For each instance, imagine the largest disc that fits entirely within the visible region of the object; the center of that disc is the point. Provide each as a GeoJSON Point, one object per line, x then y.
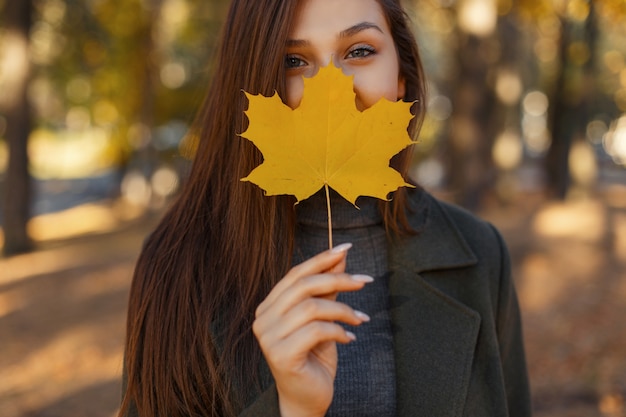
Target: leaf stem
{"type": "Point", "coordinates": [330, 221]}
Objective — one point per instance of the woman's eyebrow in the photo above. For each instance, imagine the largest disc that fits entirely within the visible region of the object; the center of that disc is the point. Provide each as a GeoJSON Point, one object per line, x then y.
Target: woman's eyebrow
{"type": "Point", "coordinates": [297, 43]}
{"type": "Point", "coordinates": [359, 27]}
{"type": "Point", "coordinates": [346, 33]}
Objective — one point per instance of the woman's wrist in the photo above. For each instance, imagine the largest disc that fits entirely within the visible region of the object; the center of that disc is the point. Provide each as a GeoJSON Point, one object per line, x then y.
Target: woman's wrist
{"type": "Point", "coordinates": [295, 410]}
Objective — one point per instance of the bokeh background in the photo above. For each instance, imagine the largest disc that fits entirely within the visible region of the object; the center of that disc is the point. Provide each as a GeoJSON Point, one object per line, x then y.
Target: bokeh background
{"type": "Point", "coordinates": [526, 126]}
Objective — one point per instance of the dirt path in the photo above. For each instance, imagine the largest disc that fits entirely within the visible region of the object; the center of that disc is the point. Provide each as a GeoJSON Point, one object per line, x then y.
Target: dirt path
{"type": "Point", "coordinates": [62, 313]}
{"type": "Point", "coordinates": [570, 270]}
{"type": "Point", "coordinates": [62, 321]}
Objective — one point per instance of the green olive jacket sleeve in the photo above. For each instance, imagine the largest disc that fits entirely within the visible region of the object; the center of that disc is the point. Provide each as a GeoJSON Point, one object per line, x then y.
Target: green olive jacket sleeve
{"type": "Point", "coordinates": [456, 321]}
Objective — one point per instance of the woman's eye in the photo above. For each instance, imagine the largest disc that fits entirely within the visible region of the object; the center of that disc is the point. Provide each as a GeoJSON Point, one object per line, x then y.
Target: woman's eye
{"type": "Point", "coordinates": [360, 52]}
{"type": "Point", "coordinates": [292, 61]}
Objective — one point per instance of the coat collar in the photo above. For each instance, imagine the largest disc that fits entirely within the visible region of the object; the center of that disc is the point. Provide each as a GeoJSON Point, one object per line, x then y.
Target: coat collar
{"type": "Point", "coordinates": [434, 334]}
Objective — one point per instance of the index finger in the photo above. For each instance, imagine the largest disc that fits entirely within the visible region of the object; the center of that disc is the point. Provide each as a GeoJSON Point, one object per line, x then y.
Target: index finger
{"type": "Point", "coordinates": [332, 260]}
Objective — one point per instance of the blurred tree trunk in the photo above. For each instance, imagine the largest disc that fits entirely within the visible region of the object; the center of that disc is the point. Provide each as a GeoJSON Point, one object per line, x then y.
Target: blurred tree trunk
{"type": "Point", "coordinates": [556, 160]}
{"type": "Point", "coordinates": [17, 198]}
{"type": "Point", "coordinates": [144, 60]}
{"type": "Point", "coordinates": [570, 104]}
{"type": "Point", "coordinates": [486, 49]}
{"type": "Point", "coordinates": [471, 129]}
{"type": "Point", "coordinates": [150, 72]}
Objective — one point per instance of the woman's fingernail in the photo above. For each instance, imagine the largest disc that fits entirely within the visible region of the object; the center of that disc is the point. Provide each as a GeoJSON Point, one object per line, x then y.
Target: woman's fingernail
{"type": "Point", "coordinates": [362, 278]}
{"type": "Point", "coordinates": [361, 315]}
{"type": "Point", "coordinates": [351, 336]}
{"type": "Point", "coordinates": [341, 248]}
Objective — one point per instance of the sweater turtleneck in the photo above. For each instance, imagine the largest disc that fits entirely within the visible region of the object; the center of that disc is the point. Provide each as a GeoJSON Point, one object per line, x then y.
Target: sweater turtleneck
{"type": "Point", "coordinates": [365, 381]}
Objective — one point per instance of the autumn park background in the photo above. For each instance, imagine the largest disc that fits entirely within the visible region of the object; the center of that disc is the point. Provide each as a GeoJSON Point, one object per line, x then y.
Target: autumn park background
{"type": "Point", "coordinates": [526, 126]}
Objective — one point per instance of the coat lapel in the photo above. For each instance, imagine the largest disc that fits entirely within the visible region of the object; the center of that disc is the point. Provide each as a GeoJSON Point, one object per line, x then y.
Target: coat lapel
{"type": "Point", "coordinates": [434, 334]}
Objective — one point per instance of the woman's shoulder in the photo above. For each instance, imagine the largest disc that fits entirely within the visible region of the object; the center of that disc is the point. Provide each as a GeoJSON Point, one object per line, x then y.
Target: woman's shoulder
{"type": "Point", "coordinates": [477, 231]}
{"type": "Point", "coordinates": [449, 236]}
{"type": "Point", "coordinates": [431, 214]}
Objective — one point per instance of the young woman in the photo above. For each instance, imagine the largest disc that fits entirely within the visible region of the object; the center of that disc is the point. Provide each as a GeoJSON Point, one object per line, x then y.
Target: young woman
{"type": "Point", "coordinates": [237, 309]}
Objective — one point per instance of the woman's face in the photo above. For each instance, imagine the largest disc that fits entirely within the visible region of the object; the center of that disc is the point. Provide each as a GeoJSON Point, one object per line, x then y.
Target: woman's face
{"type": "Point", "coordinates": [356, 35]}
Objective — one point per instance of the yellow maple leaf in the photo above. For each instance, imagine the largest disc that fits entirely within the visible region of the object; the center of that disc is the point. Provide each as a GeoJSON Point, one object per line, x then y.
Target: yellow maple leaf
{"type": "Point", "coordinates": [326, 141]}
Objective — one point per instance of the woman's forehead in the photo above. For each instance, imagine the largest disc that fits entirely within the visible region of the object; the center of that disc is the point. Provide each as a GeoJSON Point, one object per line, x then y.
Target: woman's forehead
{"type": "Point", "coordinates": [320, 16]}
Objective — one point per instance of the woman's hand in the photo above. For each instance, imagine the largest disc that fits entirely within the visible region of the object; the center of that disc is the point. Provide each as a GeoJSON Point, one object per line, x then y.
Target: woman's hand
{"type": "Point", "coordinates": [296, 329]}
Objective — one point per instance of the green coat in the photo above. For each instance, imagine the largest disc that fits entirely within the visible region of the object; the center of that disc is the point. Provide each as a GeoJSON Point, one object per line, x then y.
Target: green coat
{"type": "Point", "coordinates": [456, 321]}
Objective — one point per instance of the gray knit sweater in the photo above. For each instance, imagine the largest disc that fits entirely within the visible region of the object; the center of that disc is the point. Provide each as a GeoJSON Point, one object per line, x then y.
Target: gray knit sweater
{"type": "Point", "coordinates": [365, 381]}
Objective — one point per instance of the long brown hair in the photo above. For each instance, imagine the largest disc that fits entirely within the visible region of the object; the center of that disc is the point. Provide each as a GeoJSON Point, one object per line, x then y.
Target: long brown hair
{"type": "Point", "coordinates": [223, 245]}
